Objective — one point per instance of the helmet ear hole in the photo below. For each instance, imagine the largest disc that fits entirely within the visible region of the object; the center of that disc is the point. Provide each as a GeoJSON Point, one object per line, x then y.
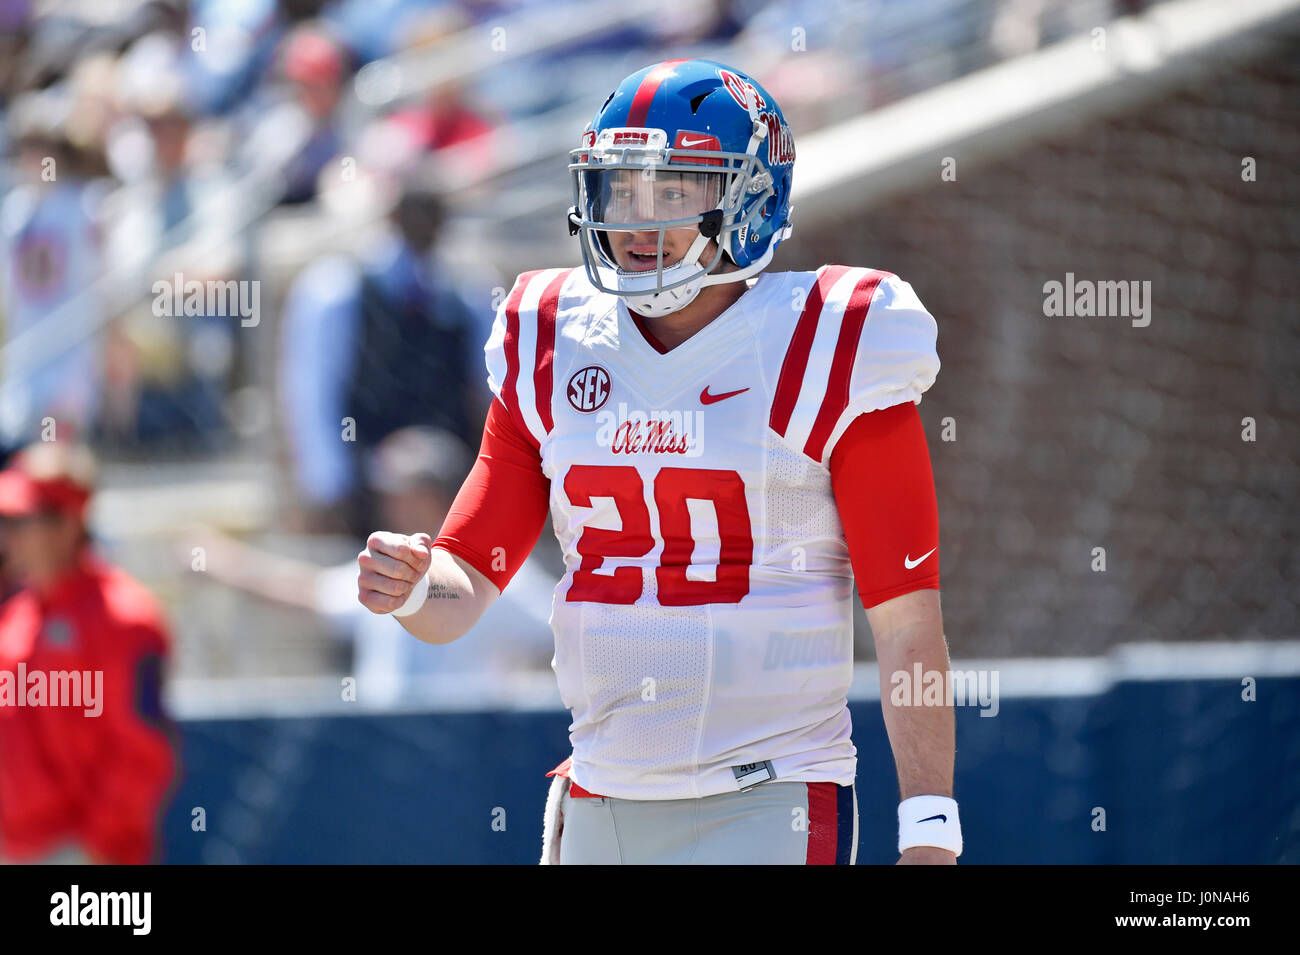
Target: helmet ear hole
{"type": "Point", "coordinates": [712, 224]}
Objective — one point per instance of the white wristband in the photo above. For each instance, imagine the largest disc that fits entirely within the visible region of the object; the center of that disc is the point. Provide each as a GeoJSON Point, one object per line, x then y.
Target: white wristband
{"type": "Point", "coordinates": [419, 593]}
{"type": "Point", "coordinates": [929, 821]}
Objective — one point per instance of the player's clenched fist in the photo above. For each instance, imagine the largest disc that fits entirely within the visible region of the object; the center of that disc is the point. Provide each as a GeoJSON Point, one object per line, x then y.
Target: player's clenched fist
{"type": "Point", "coordinates": [390, 568]}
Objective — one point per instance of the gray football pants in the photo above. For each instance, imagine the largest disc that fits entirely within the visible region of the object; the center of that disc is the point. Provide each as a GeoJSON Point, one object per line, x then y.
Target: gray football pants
{"type": "Point", "coordinates": [775, 823]}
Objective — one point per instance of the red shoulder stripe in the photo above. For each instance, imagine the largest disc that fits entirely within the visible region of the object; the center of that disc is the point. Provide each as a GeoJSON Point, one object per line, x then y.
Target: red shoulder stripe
{"type": "Point", "coordinates": [796, 355]}
{"type": "Point", "coordinates": [846, 350]}
{"type": "Point", "coordinates": [542, 373]}
{"type": "Point", "coordinates": [509, 394]}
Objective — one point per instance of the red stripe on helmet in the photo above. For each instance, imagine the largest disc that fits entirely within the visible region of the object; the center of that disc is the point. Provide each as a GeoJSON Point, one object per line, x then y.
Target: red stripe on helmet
{"type": "Point", "coordinates": [640, 107]}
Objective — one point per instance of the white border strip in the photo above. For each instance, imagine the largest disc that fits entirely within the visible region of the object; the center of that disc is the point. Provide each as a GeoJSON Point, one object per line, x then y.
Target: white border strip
{"type": "Point", "coordinates": [1127, 663]}
{"type": "Point", "coordinates": [196, 699]}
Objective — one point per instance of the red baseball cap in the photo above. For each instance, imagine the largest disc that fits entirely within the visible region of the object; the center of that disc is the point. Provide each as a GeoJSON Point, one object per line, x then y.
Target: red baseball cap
{"type": "Point", "coordinates": [47, 478]}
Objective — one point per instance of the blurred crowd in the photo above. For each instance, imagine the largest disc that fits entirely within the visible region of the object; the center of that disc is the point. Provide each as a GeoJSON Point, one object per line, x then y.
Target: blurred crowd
{"type": "Point", "coordinates": [144, 141]}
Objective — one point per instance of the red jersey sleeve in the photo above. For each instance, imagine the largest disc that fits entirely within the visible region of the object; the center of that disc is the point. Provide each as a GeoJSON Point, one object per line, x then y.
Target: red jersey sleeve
{"type": "Point", "coordinates": [884, 490]}
{"type": "Point", "coordinates": [498, 515]}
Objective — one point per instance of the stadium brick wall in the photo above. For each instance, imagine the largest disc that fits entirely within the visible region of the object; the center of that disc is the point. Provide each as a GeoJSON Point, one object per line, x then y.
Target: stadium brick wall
{"type": "Point", "coordinates": [1082, 432]}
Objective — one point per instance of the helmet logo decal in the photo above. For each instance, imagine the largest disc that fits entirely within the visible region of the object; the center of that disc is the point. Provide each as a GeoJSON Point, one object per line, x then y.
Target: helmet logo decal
{"type": "Point", "coordinates": [687, 139]}
{"type": "Point", "coordinates": [611, 143]}
{"type": "Point", "coordinates": [630, 137]}
{"type": "Point", "coordinates": [742, 91]}
{"type": "Point", "coordinates": [780, 141]}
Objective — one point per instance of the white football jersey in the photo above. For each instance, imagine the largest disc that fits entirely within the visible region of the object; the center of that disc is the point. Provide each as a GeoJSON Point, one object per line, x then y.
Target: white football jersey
{"type": "Point", "coordinates": [704, 620]}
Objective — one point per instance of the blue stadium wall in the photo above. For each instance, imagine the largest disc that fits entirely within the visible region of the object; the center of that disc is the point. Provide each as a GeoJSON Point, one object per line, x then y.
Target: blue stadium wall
{"type": "Point", "coordinates": [1186, 772]}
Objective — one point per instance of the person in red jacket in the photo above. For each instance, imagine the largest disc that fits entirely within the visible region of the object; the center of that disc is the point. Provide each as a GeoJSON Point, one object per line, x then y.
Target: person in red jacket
{"type": "Point", "coordinates": [86, 756]}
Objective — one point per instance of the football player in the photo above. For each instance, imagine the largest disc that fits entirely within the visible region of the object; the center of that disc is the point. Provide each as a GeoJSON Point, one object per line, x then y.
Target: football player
{"type": "Point", "coordinates": [722, 451]}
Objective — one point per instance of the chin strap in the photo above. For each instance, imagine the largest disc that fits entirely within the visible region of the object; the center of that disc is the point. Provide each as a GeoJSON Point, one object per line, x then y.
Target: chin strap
{"type": "Point", "coordinates": [739, 275]}
{"type": "Point", "coordinates": [683, 295]}
{"type": "Point", "coordinates": [688, 261]}
{"type": "Point", "coordinates": [759, 130]}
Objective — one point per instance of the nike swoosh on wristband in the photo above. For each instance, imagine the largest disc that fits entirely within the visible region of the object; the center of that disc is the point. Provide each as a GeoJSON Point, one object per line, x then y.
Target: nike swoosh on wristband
{"type": "Point", "coordinates": [941, 817]}
{"type": "Point", "coordinates": [708, 399]}
{"type": "Point", "coordinates": [909, 563]}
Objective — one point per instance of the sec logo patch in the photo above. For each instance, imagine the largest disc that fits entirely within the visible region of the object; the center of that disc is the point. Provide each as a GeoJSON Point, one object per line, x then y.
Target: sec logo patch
{"type": "Point", "coordinates": [589, 389]}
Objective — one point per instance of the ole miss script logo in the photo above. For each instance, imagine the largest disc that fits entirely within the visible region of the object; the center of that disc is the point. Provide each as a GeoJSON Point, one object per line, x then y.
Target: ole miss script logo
{"type": "Point", "coordinates": [780, 141]}
{"type": "Point", "coordinates": [589, 389]}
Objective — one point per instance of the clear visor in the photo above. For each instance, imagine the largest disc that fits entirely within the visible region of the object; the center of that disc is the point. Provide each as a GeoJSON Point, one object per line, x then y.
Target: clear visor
{"type": "Point", "coordinates": [624, 196]}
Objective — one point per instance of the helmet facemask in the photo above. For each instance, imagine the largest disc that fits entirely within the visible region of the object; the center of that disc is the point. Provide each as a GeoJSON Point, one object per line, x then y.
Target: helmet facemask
{"type": "Point", "coordinates": [632, 194]}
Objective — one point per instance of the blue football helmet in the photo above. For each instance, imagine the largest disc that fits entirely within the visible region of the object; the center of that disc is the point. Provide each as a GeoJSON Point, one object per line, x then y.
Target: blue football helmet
{"type": "Point", "coordinates": [681, 144]}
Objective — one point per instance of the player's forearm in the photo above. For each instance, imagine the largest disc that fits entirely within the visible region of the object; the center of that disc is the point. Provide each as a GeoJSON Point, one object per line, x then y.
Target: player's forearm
{"type": "Point", "coordinates": [456, 597]}
{"type": "Point", "coordinates": [920, 724]}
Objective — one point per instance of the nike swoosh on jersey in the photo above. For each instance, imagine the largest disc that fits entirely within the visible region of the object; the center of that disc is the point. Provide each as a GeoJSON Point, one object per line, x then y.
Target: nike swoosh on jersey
{"type": "Point", "coordinates": [688, 143]}
{"type": "Point", "coordinates": [909, 563]}
{"type": "Point", "coordinates": [708, 399]}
